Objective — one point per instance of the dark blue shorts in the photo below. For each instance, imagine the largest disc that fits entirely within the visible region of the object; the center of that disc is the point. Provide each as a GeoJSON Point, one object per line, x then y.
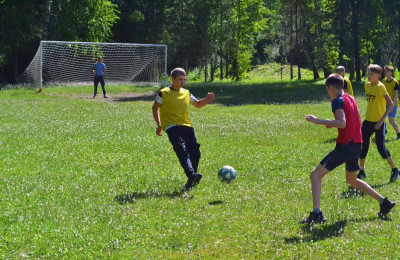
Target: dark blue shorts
{"type": "Point", "coordinates": [343, 153]}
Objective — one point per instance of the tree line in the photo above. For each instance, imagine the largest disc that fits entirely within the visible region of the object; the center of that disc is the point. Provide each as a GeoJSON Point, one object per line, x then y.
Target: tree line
{"type": "Point", "coordinates": [224, 37]}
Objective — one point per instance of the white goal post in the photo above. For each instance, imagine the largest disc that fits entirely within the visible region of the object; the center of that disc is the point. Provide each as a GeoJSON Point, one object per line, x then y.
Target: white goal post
{"type": "Point", "coordinates": [63, 62]}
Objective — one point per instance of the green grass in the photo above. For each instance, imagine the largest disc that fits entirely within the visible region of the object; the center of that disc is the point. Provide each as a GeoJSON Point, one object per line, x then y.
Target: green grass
{"type": "Point", "coordinates": [87, 179]}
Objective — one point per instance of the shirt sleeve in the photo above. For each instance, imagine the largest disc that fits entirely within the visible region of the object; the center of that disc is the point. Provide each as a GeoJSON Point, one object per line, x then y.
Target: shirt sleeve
{"type": "Point", "coordinates": [382, 90]}
{"type": "Point", "coordinates": [344, 84]}
{"type": "Point", "coordinates": [192, 98]}
{"type": "Point", "coordinates": [159, 98]}
{"type": "Point", "coordinates": [396, 87]}
{"type": "Point", "coordinates": [337, 104]}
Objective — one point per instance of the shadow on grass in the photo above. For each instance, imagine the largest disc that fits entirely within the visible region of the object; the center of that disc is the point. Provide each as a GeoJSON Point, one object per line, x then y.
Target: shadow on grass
{"type": "Point", "coordinates": [139, 97]}
{"type": "Point", "coordinates": [323, 231]}
{"type": "Point", "coordinates": [353, 192]}
{"type": "Point", "coordinates": [318, 232]}
{"type": "Point", "coordinates": [216, 202]}
{"type": "Point", "coordinates": [133, 197]}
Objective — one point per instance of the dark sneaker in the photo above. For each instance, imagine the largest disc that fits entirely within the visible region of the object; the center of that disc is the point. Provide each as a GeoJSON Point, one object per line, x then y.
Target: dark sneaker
{"type": "Point", "coordinates": [94, 96]}
{"type": "Point", "coordinates": [314, 218]}
{"type": "Point", "coordinates": [193, 181]}
{"type": "Point", "coordinates": [105, 97]}
{"type": "Point", "coordinates": [361, 175]}
{"type": "Point", "coordinates": [395, 175]}
{"type": "Point", "coordinates": [398, 137]}
{"type": "Point", "coordinates": [386, 207]}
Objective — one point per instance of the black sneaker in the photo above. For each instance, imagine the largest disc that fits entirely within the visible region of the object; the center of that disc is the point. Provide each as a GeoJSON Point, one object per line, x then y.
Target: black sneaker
{"type": "Point", "coordinates": [94, 96]}
{"type": "Point", "coordinates": [398, 137]}
{"type": "Point", "coordinates": [395, 175]}
{"type": "Point", "coordinates": [105, 97]}
{"type": "Point", "coordinates": [361, 175]}
{"type": "Point", "coordinates": [193, 181]}
{"type": "Point", "coordinates": [314, 218]}
{"type": "Point", "coordinates": [386, 206]}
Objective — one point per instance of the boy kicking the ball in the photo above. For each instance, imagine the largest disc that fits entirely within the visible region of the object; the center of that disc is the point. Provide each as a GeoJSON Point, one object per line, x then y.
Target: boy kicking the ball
{"type": "Point", "coordinates": [348, 149]}
{"type": "Point", "coordinates": [173, 118]}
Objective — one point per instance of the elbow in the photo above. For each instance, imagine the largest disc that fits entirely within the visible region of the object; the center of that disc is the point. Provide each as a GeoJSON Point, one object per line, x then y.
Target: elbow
{"type": "Point", "coordinates": [342, 125]}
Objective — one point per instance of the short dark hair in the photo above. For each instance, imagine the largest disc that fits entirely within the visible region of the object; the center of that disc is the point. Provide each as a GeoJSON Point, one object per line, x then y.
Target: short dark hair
{"type": "Point", "coordinates": [374, 68]}
{"type": "Point", "coordinates": [389, 68]}
{"type": "Point", "coordinates": [335, 80]}
{"type": "Point", "coordinates": [178, 72]}
{"type": "Point", "coordinates": [340, 69]}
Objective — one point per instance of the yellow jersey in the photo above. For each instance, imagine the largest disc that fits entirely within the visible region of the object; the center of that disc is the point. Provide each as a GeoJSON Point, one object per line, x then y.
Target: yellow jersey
{"type": "Point", "coordinates": [391, 86]}
{"type": "Point", "coordinates": [347, 86]}
{"type": "Point", "coordinates": [376, 106]}
{"type": "Point", "coordinates": [174, 107]}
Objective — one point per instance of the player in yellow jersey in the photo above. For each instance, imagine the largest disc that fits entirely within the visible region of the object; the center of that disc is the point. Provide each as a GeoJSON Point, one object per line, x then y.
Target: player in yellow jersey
{"type": "Point", "coordinates": [173, 102]}
{"type": "Point", "coordinates": [348, 88]}
{"type": "Point", "coordinates": [378, 108]}
{"type": "Point", "coordinates": [392, 87]}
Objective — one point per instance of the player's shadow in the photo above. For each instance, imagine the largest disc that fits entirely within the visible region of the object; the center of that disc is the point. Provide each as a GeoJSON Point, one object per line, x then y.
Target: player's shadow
{"type": "Point", "coordinates": [318, 232]}
{"type": "Point", "coordinates": [130, 198]}
{"type": "Point", "coordinates": [323, 231]}
{"type": "Point", "coordinates": [354, 192]}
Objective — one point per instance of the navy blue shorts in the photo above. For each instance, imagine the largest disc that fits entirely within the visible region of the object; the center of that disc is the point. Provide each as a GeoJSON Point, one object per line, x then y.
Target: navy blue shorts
{"type": "Point", "coordinates": [343, 153]}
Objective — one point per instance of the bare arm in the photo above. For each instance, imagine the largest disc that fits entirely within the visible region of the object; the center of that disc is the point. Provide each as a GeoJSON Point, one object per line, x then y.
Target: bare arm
{"type": "Point", "coordinates": [202, 102]}
{"type": "Point", "coordinates": [339, 122]}
{"type": "Point", "coordinates": [396, 95]}
{"type": "Point", "coordinates": [389, 108]}
{"type": "Point", "coordinates": [156, 117]}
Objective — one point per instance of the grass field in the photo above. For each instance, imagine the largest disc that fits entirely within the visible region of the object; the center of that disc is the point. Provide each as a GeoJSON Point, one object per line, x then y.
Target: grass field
{"type": "Point", "coordinates": [89, 179]}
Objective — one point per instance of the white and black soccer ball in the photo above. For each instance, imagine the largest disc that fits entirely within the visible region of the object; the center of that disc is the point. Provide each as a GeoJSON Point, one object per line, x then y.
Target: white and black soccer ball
{"type": "Point", "coordinates": [227, 174]}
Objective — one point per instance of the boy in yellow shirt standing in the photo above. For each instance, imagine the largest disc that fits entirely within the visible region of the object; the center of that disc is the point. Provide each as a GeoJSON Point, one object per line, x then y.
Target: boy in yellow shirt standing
{"type": "Point", "coordinates": [378, 108]}
{"type": "Point", "coordinates": [392, 87]}
{"type": "Point", "coordinates": [348, 88]}
{"type": "Point", "coordinates": [173, 102]}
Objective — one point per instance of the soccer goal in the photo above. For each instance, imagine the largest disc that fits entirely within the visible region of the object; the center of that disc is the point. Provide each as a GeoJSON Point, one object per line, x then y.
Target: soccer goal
{"type": "Point", "coordinates": [60, 62]}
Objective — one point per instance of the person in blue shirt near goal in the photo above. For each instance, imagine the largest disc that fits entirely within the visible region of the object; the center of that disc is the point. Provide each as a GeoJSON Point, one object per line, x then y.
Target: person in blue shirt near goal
{"type": "Point", "coordinates": [98, 70]}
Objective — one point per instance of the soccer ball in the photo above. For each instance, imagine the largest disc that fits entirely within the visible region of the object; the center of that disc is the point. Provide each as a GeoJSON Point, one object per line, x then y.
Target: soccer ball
{"type": "Point", "coordinates": [227, 174]}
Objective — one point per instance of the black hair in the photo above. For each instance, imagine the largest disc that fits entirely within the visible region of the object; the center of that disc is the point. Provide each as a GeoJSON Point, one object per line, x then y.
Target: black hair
{"type": "Point", "coordinates": [336, 81]}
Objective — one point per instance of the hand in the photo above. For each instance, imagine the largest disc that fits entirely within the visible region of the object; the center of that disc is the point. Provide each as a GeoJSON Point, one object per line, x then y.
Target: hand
{"type": "Point", "coordinates": [210, 96]}
{"type": "Point", "coordinates": [378, 125]}
{"type": "Point", "coordinates": [311, 118]}
{"type": "Point", "coordinates": [158, 131]}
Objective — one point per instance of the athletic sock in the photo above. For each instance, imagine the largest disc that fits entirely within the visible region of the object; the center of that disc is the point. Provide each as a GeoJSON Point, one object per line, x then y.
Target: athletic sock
{"type": "Point", "coordinates": [316, 210]}
{"type": "Point", "coordinates": [381, 199]}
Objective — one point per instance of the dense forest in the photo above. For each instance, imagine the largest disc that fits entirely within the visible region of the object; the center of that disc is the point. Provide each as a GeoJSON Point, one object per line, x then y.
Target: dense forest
{"type": "Point", "coordinates": [226, 36]}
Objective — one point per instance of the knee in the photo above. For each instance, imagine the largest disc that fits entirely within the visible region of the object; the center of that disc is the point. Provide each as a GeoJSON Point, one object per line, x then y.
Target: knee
{"type": "Point", "coordinates": [315, 175]}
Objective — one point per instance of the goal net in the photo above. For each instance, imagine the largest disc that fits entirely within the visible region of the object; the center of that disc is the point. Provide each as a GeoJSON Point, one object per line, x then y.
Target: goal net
{"type": "Point", "coordinates": [58, 62]}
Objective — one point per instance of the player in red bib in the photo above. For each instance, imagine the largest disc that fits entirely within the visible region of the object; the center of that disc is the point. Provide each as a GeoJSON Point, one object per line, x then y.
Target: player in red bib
{"type": "Point", "coordinates": [348, 149]}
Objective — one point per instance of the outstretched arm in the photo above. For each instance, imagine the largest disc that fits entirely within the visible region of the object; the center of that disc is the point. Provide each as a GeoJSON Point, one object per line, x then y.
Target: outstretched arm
{"type": "Point", "coordinates": [156, 116]}
{"type": "Point", "coordinates": [202, 102]}
{"type": "Point", "coordinates": [339, 122]}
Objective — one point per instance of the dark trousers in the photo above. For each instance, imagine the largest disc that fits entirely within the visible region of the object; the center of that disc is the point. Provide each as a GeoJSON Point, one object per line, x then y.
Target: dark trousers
{"type": "Point", "coordinates": [100, 79]}
{"type": "Point", "coordinates": [368, 130]}
{"type": "Point", "coordinates": [186, 147]}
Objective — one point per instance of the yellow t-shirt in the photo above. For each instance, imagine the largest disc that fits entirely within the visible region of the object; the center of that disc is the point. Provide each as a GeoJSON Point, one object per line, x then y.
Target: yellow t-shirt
{"type": "Point", "coordinates": [376, 106]}
{"type": "Point", "coordinates": [391, 86]}
{"type": "Point", "coordinates": [348, 86]}
{"type": "Point", "coordinates": [174, 107]}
